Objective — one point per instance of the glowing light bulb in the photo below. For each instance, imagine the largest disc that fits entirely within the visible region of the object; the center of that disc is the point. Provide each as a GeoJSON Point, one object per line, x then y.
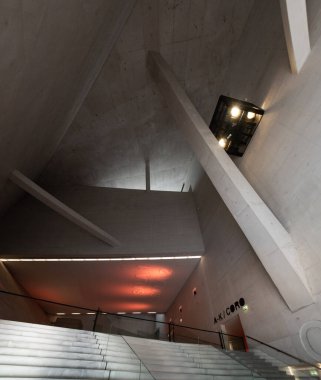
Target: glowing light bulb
{"type": "Point", "coordinates": [250, 115]}
{"type": "Point", "coordinates": [222, 142]}
{"type": "Point", "coordinates": [235, 111]}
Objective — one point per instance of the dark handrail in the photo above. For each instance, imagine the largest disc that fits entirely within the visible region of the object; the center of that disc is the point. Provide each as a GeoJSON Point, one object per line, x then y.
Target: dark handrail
{"type": "Point", "coordinates": [98, 311]}
{"type": "Point", "coordinates": [108, 313]}
{"type": "Point", "coordinates": [283, 352]}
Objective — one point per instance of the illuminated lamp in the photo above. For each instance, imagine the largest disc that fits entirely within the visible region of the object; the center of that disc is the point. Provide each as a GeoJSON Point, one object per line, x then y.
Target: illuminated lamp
{"type": "Point", "coordinates": [235, 111]}
{"type": "Point", "coordinates": [234, 123]}
{"type": "Point", "coordinates": [245, 308]}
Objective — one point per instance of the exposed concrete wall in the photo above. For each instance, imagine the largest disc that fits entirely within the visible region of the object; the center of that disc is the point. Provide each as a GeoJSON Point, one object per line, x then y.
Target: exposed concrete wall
{"type": "Point", "coordinates": [283, 160]}
{"type": "Point", "coordinates": [145, 223]}
{"type": "Point", "coordinates": [230, 270]}
{"type": "Point", "coordinates": [283, 164]}
{"type": "Point", "coordinates": [112, 324]}
{"type": "Point", "coordinates": [17, 308]}
{"type": "Point", "coordinates": [49, 51]}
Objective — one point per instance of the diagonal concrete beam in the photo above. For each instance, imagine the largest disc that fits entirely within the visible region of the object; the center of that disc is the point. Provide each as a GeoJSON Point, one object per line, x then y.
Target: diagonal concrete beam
{"type": "Point", "coordinates": [269, 239]}
{"type": "Point", "coordinates": [295, 25]}
{"type": "Point", "coordinates": [43, 196]}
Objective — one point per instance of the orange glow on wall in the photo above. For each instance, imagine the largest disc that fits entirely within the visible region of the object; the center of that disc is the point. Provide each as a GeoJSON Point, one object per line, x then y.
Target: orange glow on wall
{"type": "Point", "coordinates": [153, 273]}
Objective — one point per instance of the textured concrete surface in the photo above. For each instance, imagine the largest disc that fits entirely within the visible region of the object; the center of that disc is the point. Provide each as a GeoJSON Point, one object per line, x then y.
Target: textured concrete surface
{"type": "Point", "coordinates": [283, 165]}
{"type": "Point", "coordinates": [214, 47]}
{"type": "Point", "coordinates": [17, 308]}
{"type": "Point", "coordinates": [271, 242]}
{"type": "Point", "coordinates": [146, 223]}
{"type": "Point", "coordinates": [123, 121]}
{"type": "Point", "coordinates": [49, 52]}
{"type": "Point", "coordinates": [125, 286]}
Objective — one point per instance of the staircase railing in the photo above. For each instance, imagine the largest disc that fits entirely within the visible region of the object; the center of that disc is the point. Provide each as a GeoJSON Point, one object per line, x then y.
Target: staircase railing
{"type": "Point", "coordinates": [103, 321]}
{"type": "Point", "coordinates": [291, 364]}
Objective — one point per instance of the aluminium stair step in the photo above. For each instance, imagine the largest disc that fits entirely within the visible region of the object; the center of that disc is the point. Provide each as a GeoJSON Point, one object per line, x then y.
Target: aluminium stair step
{"type": "Point", "coordinates": [184, 376]}
{"type": "Point", "coordinates": [40, 327]}
{"type": "Point", "coordinates": [50, 362]}
{"type": "Point", "coordinates": [129, 354]}
{"type": "Point", "coordinates": [70, 363]}
{"type": "Point", "coordinates": [45, 329]}
{"type": "Point", "coordinates": [52, 372]}
{"type": "Point", "coordinates": [70, 355]}
{"type": "Point", "coordinates": [48, 347]}
{"type": "Point", "coordinates": [37, 334]}
{"type": "Point", "coordinates": [46, 341]}
{"type": "Point", "coordinates": [48, 354]}
{"type": "Point", "coordinates": [190, 363]}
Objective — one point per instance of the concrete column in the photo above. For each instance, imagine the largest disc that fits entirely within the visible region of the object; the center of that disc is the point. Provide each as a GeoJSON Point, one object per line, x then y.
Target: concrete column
{"type": "Point", "coordinates": [296, 31]}
{"type": "Point", "coordinates": [268, 237]}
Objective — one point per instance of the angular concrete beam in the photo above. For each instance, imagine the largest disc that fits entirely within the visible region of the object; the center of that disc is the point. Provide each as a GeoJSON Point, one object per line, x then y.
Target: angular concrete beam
{"type": "Point", "coordinates": [295, 24]}
{"type": "Point", "coordinates": [43, 196]}
{"type": "Point", "coordinates": [269, 239]}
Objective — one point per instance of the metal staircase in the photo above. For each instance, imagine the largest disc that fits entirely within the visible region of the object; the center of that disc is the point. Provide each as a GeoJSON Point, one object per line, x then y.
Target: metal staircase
{"type": "Point", "coordinates": [29, 351]}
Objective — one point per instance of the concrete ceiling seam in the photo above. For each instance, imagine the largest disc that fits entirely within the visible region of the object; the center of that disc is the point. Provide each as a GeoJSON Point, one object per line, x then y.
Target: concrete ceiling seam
{"type": "Point", "coordinates": [269, 239]}
{"type": "Point", "coordinates": [296, 31]}
{"type": "Point", "coordinates": [46, 198]}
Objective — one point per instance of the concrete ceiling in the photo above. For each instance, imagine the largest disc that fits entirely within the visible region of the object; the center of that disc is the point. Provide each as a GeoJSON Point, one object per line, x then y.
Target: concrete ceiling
{"type": "Point", "coordinates": [125, 286]}
{"type": "Point", "coordinates": [123, 122]}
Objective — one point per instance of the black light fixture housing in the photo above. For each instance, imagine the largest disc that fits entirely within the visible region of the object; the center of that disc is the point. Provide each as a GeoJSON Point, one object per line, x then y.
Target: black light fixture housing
{"type": "Point", "coordinates": [234, 123]}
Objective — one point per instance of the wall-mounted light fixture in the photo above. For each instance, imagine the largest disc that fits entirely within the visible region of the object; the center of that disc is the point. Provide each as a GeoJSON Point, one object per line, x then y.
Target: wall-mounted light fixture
{"type": "Point", "coordinates": [234, 123]}
{"type": "Point", "coordinates": [245, 308]}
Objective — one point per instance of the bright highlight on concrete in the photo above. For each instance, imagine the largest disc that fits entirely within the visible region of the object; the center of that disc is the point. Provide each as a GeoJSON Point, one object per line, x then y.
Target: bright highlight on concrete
{"type": "Point", "coordinates": [105, 259]}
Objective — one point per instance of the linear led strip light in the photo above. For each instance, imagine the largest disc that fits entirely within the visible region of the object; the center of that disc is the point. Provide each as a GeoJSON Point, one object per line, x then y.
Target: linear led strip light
{"type": "Point", "coordinates": [104, 259]}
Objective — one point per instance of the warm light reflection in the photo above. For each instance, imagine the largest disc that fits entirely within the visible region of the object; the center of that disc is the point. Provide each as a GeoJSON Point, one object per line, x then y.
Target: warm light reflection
{"type": "Point", "coordinates": [145, 291]}
{"type": "Point", "coordinates": [153, 273]}
{"type": "Point", "coordinates": [132, 306]}
{"type": "Point", "coordinates": [133, 290]}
